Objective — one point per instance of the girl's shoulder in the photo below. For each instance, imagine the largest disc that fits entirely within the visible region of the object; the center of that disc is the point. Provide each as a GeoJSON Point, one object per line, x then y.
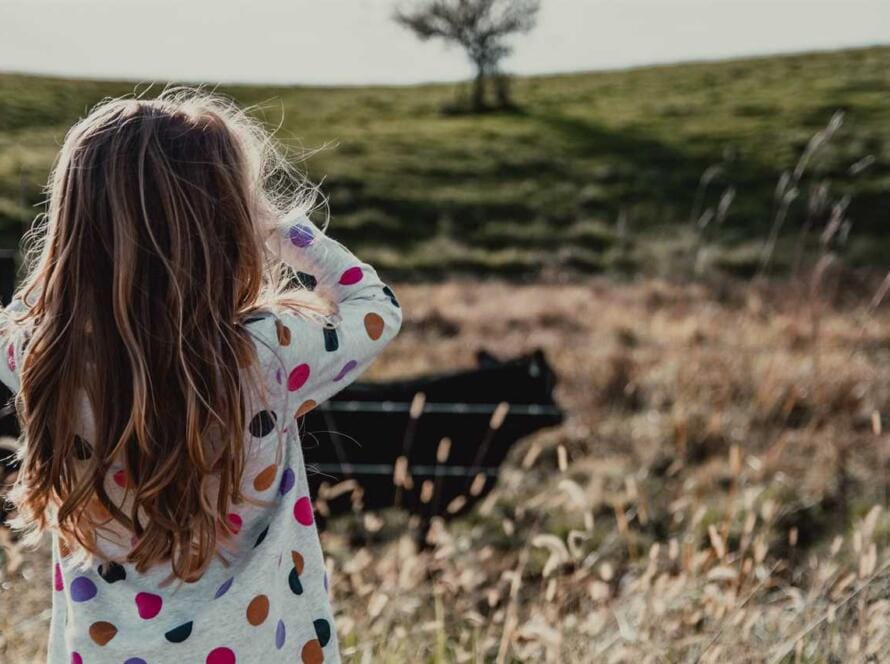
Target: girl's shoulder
{"type": "Point", "coordinates": [267, 326]}
{"type": "Point", "coordinates": [261, 325]}
{"type": "Point", "coordinates": [271, 333]}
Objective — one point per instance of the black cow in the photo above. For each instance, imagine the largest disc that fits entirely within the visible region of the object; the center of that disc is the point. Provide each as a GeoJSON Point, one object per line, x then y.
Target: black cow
{"type": "Point", "coordinates": [432, 445]}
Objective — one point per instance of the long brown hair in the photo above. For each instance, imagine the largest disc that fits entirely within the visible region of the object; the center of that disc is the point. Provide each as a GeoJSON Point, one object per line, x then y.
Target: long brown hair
{"type": "Point", "coordinates": [149, 257]}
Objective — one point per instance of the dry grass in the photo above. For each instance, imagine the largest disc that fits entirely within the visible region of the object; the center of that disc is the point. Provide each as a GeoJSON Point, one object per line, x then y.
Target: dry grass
{"type": "Point", "coordinates": [718, 493]}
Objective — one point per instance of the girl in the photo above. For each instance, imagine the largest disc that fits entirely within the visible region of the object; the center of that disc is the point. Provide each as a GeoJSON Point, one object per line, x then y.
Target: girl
{"type": "Point", "coordinates": [160, 360]}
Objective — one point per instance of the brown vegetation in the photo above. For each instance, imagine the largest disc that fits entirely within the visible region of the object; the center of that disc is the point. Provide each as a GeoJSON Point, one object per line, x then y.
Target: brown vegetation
{"type": "Point", "coordinates": [718, 493]}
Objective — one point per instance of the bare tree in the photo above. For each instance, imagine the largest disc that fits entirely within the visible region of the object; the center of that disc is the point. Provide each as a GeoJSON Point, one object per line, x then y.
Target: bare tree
{"type": "Point", "coordinates": [481, 27]}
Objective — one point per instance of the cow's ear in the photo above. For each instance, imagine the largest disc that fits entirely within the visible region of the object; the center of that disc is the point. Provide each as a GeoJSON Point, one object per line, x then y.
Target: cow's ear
{"type": "Point", "coordinates": [539, 358]}
{"type": "Point", "coordinates": [538, 363]}
{"type": "Point", "coordinates": [486, 359]}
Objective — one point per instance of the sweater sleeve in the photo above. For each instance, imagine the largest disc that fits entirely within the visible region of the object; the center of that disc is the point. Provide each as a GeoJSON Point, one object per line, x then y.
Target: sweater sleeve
{"type": "Point", "coordinates": [320, 360]}
{"type": "Point", "coordinates": [12, 343]}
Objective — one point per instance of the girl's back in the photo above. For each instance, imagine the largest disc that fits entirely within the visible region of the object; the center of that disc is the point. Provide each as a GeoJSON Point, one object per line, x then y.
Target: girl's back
{"type": "Point", "coordinates": [161, 359]}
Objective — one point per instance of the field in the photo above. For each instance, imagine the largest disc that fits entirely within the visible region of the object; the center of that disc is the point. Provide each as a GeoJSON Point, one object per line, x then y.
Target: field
{"type": "Point", "coordinates": [592, 172]}
{"type": "Point", "coordinates": [720, 489]}
{"type": "Point", "coordinates": [715, 493]}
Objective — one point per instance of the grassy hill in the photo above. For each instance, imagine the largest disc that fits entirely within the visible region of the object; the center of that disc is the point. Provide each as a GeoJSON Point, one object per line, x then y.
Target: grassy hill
{"type": "Point", "coordinates": [594, 171]}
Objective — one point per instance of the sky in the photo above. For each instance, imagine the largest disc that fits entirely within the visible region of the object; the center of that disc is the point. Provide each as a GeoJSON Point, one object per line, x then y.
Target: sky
{"type": "Point", "coordinates": [341, 42]}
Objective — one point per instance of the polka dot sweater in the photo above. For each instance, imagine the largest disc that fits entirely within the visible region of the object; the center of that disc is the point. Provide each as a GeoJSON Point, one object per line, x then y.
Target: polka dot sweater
{"type": "Point", "coordinates": [269, 601]}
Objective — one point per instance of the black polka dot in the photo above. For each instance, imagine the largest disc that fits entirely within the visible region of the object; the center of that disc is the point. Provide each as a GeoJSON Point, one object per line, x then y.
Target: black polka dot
{"type": "Point", "coordinates": [179, 634]}
{"type": "Point", "coordinates": [293, 580]}
{"type": "Point", "coordinates": [307, 281]}
{"type": "Point", "coordinates": [112, 572]}
{"type": "Point", "coordinates": [262, 423]}
{"type": "Point", "coordinates": [82, 449]}
{"type": "Point", "coordinates": [331, 340]}
{"type": "Point", "coordinates": [262, 536]}
{"type": "Point", "coordinates": [322, 631]}
{"type": "Point", "coordinates": [392, 298]}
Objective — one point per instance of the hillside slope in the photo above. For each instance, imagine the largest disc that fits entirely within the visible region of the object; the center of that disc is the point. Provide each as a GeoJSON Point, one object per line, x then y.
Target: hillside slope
{"type": "Point", "coordinates": [426, 193]}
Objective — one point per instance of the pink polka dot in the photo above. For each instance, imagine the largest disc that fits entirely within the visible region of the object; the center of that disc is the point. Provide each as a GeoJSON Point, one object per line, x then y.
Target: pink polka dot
{"type": "Point", "coordinates": [58, 583]}
{"type": "Point", "coordinates": [235, 522]}
{"type": "Point", "coordinates": [351, 276]}
{"type": "Point", "coordinates": [10, 357]}
{"type": "Point", "coordinates": [120, 478]}
{"type": "Point", "coordinates": [76, 658]}
{"type": "Point", "coordinates": [303, 511]}
{"type": "Point", "coordinates": [220, 656]}
{"type": "Point", "coordinates": [298, 377]}
{"type": "Point", "coordinates": [148, 605]}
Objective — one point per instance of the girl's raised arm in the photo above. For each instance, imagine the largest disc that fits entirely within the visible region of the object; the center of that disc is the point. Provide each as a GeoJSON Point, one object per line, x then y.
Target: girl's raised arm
{"type": "Point", "coordinates": [321, 360]}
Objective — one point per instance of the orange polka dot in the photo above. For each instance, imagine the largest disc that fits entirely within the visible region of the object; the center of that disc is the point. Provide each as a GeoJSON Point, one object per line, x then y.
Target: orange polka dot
{"type": "Point", "coordinates": [374, 325]}
{"type": "Point", "coordinates": [283, 332]}
{"type": "Point", "coordinates": [305, 407]}
{"type": "Point", "coordinates": [264, 480]}
{"type": "Point", "coordinates": [298, 561]}
{"type": "Point", "coordinates": [258, 610]}
{"type": "Point", "coordinates": [99, 512]}
{"type": "Point", "coordinates": [102, 632]}
{"type": "Point", "coordinates": [244, 360]}
{"type": "Point", "coordinates": [312, 652]}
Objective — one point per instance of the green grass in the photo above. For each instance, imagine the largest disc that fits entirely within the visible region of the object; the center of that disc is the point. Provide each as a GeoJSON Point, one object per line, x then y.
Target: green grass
{"type": "Point", "coordinates": [515, 192]}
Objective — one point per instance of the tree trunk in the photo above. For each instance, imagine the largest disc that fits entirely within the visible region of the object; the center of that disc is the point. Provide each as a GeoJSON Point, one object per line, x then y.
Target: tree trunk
{"type": "Point", "coordinates": [502, 90]}
{"type": "Point", "coordinates": [478, 96]}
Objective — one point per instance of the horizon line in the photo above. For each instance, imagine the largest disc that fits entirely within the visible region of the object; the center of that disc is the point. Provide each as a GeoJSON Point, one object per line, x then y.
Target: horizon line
{"type": "Point", "coordinates": [426, 83]}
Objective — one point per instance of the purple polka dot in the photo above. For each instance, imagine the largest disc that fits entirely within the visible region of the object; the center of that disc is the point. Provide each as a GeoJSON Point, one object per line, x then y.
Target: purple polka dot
{"type": "Point", "coordinates": [351, 276]}
{"type": "Point", "coordinates": [279, 376]}
{"type": "Point", "coordinates": [83, 589]}
{"type": "Point", "coordinates": [300, 235]}
{"type": "Point", "coordinates": [349, 366]}
{"type": "Point", "coordinates": [280, 635]}
{"type": "Point", "coordinates": [135, 660]}
{"type": "Point", "coordinates": [224, 588]}
{"type": "Point", "coordinates": [287, 481]}
{"type": "Point", "coordinates": [326, 589]}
